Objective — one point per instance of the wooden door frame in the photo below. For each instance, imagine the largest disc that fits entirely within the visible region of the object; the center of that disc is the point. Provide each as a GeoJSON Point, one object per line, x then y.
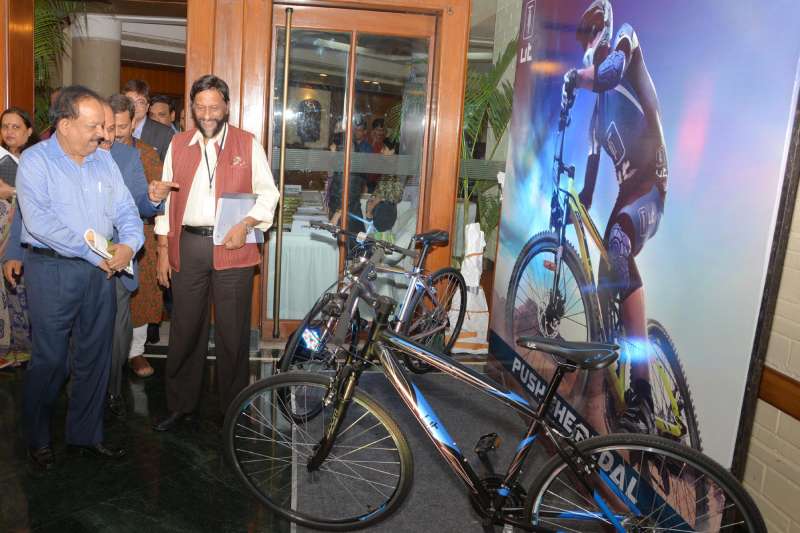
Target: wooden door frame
{"type": "Point", "coordinates": [227, 38]}
{"type": "Point", "coordinates": [16, 54]}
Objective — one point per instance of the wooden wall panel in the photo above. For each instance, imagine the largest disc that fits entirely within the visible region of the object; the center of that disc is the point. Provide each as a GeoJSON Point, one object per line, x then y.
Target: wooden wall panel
{"type": "Point", "coordinates": [200, 37]}
{"type": "Point", "coordinates": [17, 54]}
{"type": "Point", "coordinates": [452, 40]}
{"type": "Point", "coordinates": [227, 64]}
{"type": "Point", "coordinates": [3, 54]}
{"type": "Point", "coordinates": [169, 81]}
{"type": "Point", "coordinates": [780, 391]}
{"type": "Point", "coordinates": [255, 90]}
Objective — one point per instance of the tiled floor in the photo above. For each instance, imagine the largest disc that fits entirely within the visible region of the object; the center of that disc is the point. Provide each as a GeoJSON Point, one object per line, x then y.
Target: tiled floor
{"type": "Point", "coordinates": [179, 482]}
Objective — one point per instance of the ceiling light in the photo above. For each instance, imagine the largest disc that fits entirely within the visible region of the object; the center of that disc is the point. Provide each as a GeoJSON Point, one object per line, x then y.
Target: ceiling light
{"type": "Point", "coordinates": [376, 83]}
{"type": "Point", "coordinates": [323, 74]}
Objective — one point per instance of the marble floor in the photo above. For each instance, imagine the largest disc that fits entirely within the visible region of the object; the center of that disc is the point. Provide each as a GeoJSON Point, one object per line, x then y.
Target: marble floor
{"type": "Point", "coordinates": [179, 482]}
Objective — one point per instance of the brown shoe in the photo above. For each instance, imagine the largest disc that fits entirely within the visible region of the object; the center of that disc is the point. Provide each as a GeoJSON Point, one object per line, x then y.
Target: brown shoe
{"type": "Point", "coordinates": [140, 366]}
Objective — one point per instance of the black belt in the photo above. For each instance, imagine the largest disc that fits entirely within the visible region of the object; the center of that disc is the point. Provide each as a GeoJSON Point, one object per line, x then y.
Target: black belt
{"type": "Point", "coordinates": [204, 231]}
{"type": "Point", "coordinates": [50, 253]}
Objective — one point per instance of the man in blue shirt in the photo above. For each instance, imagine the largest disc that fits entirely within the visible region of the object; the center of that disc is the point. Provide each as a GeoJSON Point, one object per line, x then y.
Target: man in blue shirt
{"type": "Point", "coordinates": [66, 186]}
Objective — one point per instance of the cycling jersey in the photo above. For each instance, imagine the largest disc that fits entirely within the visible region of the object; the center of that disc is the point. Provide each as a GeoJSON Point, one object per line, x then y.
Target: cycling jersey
{"type": "Point", "coordinates": [626, 121]}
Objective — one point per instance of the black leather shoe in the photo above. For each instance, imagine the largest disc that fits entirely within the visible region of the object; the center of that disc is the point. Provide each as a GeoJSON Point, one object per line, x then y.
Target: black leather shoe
{"type": "Point", "coordinates": [41, 460]}
{"type": "Point", "coordinates": [172, 420]}
{"type": "Point", "coordinates": [116, 406]}
{"type": "Point", "coordinates": [98, 450]}
{"type": "Point", "coordinates": [153, 334]}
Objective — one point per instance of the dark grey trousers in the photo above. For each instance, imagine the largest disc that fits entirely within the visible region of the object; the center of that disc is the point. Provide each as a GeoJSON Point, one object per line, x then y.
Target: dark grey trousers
{"type": "Point", "coordinates": [123, 334]}
{"type": "Point", "coordinates": [194, 288]}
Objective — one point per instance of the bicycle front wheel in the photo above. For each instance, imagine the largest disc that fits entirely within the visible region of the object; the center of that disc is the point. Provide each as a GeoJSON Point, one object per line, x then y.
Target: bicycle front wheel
{"type": "Point", "coordinates": [641, 483]}
{"type": "Point", "coordinates": [364, 478]}
{"type": "Point", "coordinates": [550, 295]}
{"type": "Point", "coordinates": [438, 315]}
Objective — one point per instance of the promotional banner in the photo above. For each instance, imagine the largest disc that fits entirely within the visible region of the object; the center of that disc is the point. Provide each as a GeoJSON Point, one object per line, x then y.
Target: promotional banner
{"type": "Point", "coordinates": [645, 165]}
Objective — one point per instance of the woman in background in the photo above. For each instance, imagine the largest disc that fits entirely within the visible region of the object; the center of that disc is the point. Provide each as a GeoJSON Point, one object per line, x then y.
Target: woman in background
{"type": "Point", "coordinates": [16, 134]}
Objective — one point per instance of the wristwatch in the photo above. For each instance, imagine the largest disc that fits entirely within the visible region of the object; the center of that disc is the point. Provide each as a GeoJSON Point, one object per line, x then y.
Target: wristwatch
{"type": "Point", "coordinates": [248, 228]}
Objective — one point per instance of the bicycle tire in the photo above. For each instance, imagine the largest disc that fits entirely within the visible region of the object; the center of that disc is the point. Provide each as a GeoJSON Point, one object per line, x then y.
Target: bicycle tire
{"type": "Point", "coordinates": [546, 245]}
{"type": "Point", "coordinates": [326, 498]}
{"type": "Point", "coordinates": [667, 354]}
{"type": "Point", "coordinates": [644, 475]}
{"type": "Point", "coordinates": [436, 317]}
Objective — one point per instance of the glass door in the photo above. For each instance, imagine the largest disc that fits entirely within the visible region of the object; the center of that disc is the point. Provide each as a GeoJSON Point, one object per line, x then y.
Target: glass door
{"type": "Point", "coordinates": [357, 120]}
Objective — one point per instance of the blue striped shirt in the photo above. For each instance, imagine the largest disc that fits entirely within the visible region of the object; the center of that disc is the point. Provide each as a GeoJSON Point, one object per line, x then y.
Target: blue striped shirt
{"type": "Point", "coordinates": [60, 200]}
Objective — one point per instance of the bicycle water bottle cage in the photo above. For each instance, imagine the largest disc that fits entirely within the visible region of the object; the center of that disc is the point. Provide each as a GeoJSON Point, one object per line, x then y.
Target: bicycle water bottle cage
{"type": "Point", "coordinates": [583, 355]}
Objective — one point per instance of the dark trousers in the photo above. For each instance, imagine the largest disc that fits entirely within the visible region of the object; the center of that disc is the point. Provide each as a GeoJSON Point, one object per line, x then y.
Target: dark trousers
{"type": "Point", "coordinates": [67, 297]}
{"type": "Point", "coordinates": [123, 335]}
{"type": "Point", "coordinates": [193, 288]}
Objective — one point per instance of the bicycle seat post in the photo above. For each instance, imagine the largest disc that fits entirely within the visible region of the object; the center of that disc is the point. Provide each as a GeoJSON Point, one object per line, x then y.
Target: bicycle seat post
{"type": "Point", "coordinates": [422, 256]}
{"type": "Point", "coordinates": [550, 393]}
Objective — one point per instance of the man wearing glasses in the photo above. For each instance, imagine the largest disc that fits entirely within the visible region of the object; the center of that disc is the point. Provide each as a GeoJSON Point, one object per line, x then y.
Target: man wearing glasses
{"type": "Point", "coordinates": [144, 128]}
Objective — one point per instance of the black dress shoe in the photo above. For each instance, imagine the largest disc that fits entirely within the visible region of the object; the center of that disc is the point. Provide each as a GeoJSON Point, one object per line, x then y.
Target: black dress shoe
{"type": "Point", "coordinates": [153, 334]}
{"type": "Point", "coordinates": [116, 406]}
{"type": "Point", "coordinates": [41, 460]}
{"type": "Point", "coordinates": [172, 420]}
{"type": "Point", "coordinates": [98, 450]}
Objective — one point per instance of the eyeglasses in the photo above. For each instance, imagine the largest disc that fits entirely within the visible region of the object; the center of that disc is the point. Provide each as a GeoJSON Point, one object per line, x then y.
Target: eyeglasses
{"type": "Point", "coordinates": [142, 102]}
{"type": "Point", "coordinates": [211, 109]}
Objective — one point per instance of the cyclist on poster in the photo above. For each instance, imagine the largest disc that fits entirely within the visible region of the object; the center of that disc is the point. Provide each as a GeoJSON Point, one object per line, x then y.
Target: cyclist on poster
{"type": "Point", "coordinates": [626, 124]}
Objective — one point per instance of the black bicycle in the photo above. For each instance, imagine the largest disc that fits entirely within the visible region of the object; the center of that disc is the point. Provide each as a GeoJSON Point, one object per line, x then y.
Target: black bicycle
{"type": "Point", "coordinates": [432, 311]}
{"type": "Point", "coordinates": [348, 465]}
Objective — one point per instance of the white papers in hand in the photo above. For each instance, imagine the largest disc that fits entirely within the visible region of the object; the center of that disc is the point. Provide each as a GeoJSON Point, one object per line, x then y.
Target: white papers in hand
{"type": "Point", "coordinates": [99, 245]}
{"type": "Point", "coordinates": [231, 209]}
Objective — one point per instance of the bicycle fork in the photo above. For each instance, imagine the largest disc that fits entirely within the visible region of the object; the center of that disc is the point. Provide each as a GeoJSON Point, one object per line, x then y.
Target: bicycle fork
{"type": "Point", "coordinates": [342, 388]}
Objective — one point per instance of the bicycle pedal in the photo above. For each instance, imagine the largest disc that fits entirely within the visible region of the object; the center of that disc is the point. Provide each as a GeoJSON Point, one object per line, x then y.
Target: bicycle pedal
{"type": "Point", "coordinates": [487, 443]}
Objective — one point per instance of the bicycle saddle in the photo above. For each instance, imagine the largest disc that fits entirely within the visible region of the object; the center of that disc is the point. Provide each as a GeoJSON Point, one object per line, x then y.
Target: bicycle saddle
{"type": "Point", "coordinates": [436, 236]}
{"type": "Point", "coordinates": [585, 355]}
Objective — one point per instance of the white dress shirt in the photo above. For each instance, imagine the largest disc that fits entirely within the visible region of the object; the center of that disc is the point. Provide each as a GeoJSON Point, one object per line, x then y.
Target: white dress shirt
{"type": "Point", "coordinates": [202, 202]}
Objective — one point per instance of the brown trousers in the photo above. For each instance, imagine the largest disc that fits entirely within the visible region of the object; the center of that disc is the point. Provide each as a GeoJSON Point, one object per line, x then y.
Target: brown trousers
{"type": "Point", "coordinates": [193, 289]}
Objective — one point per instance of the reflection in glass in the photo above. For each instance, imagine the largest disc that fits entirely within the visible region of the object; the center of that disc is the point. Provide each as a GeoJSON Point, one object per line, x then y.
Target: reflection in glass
{"type": "Point", "coordinates": [318, 64]}
{"type": "Point", "coordinates": [389, 126]}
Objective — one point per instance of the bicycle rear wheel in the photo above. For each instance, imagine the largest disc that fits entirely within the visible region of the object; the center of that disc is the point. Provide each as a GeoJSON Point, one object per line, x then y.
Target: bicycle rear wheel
{"type": "Point", "coordinates": [645, 483]}
{"type": "Point", "coordinates": [434, 320]}
{"type": "Point", "coordinates": [365, 477]}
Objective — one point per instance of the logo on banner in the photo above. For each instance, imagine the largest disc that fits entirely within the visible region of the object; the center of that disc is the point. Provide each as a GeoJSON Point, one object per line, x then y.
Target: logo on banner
{"type": "Point", "coordinates": [530, 11]}
{"type": "Point", "coordinates": [526, 49]}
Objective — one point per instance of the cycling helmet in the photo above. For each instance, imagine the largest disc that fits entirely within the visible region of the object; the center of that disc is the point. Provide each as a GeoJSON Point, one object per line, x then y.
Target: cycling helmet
{"type": "Point", "coordinates": [598, 17]}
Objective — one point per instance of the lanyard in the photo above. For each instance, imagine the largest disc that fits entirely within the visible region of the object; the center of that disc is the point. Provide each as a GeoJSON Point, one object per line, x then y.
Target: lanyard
{"type": "Point", "coordinates": [219, 153]}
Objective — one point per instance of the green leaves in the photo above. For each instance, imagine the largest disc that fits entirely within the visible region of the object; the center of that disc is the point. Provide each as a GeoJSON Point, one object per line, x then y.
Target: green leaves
{"type": "Point", "coordinates": [50, 42]}
{"type": "Point", "coordinates": [487, 100]}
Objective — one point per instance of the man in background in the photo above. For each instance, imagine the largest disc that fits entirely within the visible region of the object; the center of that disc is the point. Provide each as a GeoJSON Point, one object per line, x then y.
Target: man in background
{"type": "Point", "coordinates": [149, 200]}
{"type": "Point", "coordinates": [148, 130]}
{"type": "Point", "coordinates": [162, 110]}
{"type": "Point", "coordinates": [147, 303]}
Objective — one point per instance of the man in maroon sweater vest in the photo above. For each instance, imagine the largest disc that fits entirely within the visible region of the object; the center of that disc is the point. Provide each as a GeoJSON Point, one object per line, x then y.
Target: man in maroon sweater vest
{"type": "Point", "coordinates": [213, 159]}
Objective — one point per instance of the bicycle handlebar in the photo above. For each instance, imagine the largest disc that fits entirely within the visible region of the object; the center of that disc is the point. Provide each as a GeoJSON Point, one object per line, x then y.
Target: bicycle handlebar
{"type": "Point", "coordinates": [364, 238]}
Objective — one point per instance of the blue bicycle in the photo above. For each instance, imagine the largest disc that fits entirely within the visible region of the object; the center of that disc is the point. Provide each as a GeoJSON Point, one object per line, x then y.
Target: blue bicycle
{"type": "Point", "coordinates": [347, 465]}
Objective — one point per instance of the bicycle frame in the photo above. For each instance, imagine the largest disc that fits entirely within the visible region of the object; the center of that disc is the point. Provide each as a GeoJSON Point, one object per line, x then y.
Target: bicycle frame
{"type": "Point", "coordinates": [435, 428]}
{"type": "Point", "coordinates": [492, 506]}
